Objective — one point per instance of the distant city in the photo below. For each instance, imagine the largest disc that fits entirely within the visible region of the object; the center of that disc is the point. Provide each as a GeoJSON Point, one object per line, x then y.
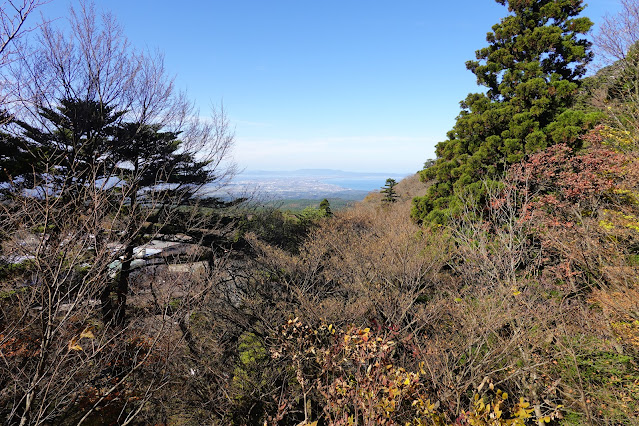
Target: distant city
{"type": "Point", "coordinates": [308, 184]}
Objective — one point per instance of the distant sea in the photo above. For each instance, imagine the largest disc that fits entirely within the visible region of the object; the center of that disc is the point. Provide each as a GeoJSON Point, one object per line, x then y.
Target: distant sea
{"type": "Point", "coordinates": [370, 183]}
{"type": "Point", "coordinates": [310, 183]}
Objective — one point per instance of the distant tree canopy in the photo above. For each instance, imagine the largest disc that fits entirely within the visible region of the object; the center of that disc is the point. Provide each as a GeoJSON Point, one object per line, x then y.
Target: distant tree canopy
{"type": "Point", "coordinates": [531, 69]}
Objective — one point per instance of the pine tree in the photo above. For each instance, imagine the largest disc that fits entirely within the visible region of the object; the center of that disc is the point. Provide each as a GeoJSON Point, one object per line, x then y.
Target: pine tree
{"type": "Point", "coordinates": [390, 195]}
{"type": "Point", "coordinates": [156, 173]}
{"type": "Point", "coordinates": [17, 161]}
{"type": "Point", "coordinates": [84, 145]}
{"type": "Point", "coordinates": [531, 70]}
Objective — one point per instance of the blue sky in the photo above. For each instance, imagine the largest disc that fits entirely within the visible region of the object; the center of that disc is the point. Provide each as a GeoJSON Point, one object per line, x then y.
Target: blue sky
{"type": "Point", "coordinates": [360, 85]}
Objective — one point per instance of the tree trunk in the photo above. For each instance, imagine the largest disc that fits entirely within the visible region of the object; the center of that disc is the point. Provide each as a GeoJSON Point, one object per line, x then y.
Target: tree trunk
{"type": "Point", "coordinates": [130, 238]}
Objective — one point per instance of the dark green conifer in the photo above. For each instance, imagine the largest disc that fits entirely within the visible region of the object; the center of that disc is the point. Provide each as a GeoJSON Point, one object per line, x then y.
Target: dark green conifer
{"type": "Point", "coordinates": [71, 144]}
{"type": "Point", "coordinates": [17, 161]}
{"type": "Point", "coordinates": [325, 207]}
{"type": "Point", "coordinates": [531, 70]}
{"type": "Point", "coordinates": [390, 195]}
{"type": "Point", "coordinates": [84, 145]}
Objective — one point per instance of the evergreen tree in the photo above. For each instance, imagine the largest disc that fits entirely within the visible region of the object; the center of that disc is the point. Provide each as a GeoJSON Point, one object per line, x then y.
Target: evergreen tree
{"type": "Point", "coordinates": [17, 161]}
{"type": "Point", "coordinates": [531, 70]}
{"type": "Point", "coordinates": [325, 207]}
{"type": "Point", "coordinates": [156, 173]}
{"type": "Point", "coordinates": [390, 195]}
{"type": "Point", "coordinates": [73, 144]}
{"type": "Point", "coordinates": [84, 146]}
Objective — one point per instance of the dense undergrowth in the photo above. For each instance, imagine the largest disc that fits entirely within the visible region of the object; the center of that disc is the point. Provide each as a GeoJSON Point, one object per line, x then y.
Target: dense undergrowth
{"type": "Point", "coordinates": [520, 308]}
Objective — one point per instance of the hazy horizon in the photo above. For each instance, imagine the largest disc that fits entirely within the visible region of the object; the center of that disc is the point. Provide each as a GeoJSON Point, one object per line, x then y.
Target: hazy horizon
{"type": "Point", "coordinates": [345, 85]}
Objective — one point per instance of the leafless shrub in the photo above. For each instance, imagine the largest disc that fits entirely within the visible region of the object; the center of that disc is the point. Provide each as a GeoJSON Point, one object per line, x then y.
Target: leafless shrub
{"type": "Point", "coordinates": [619, 32]}
{"type": "Point", "coordinates": [73, 260]}
{"type": "Point", "coordinates": [13, 27]}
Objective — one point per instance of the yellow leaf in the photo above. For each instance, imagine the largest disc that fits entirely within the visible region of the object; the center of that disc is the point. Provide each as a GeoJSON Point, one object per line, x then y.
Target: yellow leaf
{"type": "Point", "coordinates": [87, 333]}
{"type": "Point", "coordinates": [74, 346]}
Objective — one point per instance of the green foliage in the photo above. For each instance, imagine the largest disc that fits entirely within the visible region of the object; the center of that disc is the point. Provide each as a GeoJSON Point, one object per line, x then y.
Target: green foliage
{"type": "Point", "coordinates": [99, 145]}
{"type": "Point", "coordinates": [11, 293]}
{"type": "Point", "coordinates": [531, 70]}
{"type": "Point", "coordinates": [157, 158]}
{"type": "Point", "coordinates": [296, 205]}
{"type": "Point", "coordinates": [249, 377]}
{"type": "Point", "coordinates": [251, 350]}
{"type": "Point", "coordinates": [310, 215]}
{"type": "Point", "coordinates": [325, 206]}
{"type": "Point", "coordinates": [17, 159]}
{"type": "Point", "coordinates": [282, 229]}
{"type": "Point", "coordinates": [610, 381]}
{"type": "Point", "coordinates": [84, 130]}
{"type": "Point", "coordinates": [390, 194]}
{"type": "Point", "coordinates": [10, 270]}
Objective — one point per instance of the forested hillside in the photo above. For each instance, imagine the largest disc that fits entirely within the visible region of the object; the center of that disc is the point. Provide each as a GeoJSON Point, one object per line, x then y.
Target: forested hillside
{"type": "Point", "coordinates": [497, 286]}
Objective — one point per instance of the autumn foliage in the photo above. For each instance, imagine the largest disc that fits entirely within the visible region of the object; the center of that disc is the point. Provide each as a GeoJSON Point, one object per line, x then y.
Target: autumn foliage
{"type": "Point", "coordinates": [520, 308]}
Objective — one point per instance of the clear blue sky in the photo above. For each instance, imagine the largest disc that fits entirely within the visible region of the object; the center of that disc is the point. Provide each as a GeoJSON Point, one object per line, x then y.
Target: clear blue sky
{"type": "Point", "coordinates": [361, 85]}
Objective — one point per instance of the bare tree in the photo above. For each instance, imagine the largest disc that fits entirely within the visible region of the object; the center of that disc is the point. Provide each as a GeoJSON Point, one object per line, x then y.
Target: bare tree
{"type": "Point", "coordinates": [13, 26]}
{"type": "Point", "coordinates": [619, 32]}
{"type": "Point", "coordinates": [617, 94]}
{"type": "Point", "coordinates": [86, 100]}
{"type": "Point", "coordinates": [13, 17]}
